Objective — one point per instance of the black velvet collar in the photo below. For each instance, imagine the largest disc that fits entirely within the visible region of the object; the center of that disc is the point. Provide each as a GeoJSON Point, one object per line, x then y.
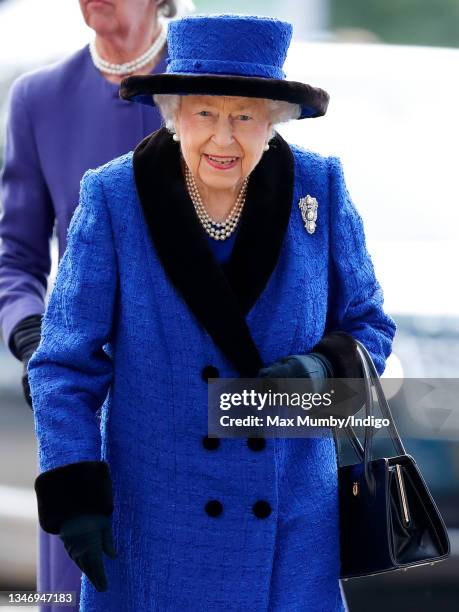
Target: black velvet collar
{"type": "Point", "coordinates": [219, 296]}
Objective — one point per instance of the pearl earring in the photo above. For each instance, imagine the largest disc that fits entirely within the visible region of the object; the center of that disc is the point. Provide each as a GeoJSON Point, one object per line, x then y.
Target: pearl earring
{"type": "Point", "coordinates": [175, 137]}
{"type": "Point", "coordinates": [266, 147]}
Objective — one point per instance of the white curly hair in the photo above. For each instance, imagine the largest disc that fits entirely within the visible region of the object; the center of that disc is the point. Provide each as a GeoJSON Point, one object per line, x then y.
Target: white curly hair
{"type": "Point", "coordinates": [279, 110]}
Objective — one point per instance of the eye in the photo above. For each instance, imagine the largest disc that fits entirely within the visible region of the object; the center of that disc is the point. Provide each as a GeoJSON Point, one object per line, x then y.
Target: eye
{"type": "Point", "coordinates": [204, 113]}
{"type": "Point", "coordinates": [244, 117]}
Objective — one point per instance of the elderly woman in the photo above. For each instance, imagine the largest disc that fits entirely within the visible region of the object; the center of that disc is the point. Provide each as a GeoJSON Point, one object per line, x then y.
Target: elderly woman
{"type": "Point", "coordinates": [188, 259]}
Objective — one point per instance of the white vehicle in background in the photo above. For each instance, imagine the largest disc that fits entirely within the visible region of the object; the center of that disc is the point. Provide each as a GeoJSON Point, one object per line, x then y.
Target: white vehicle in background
{"type": "Point", "coordinates": [393, 121]}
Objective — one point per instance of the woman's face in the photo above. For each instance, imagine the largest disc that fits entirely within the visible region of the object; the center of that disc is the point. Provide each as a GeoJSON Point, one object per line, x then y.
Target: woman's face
{"type": "Point", "coordinates": [117, 16]}
{"type": "Point", "coordinates": [222, 137]}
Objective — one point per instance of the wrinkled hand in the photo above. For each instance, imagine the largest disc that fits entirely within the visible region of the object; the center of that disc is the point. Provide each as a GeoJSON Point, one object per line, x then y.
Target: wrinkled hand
{"type": "Point", "coordinates": [313, 366]}
{"type": "Point", "coordinates": [86, 537]}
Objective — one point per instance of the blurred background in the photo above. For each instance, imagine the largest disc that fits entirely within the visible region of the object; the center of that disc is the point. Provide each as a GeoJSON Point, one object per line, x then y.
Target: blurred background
{"type": "Point", "coordinates": [391, 68]}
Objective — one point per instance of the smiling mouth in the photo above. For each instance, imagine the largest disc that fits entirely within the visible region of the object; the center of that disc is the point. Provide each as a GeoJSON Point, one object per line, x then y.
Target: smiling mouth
{"type": "Point", "coordinates": [221, 160]}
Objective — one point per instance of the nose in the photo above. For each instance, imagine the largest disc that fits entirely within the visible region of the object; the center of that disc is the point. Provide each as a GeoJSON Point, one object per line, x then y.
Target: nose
{"type": "Point", "coordinates": [223, 132]}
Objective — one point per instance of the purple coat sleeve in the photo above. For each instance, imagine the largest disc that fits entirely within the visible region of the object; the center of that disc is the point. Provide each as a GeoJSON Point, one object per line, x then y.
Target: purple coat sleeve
{"type": "Point", "coordinates": [27, 221]}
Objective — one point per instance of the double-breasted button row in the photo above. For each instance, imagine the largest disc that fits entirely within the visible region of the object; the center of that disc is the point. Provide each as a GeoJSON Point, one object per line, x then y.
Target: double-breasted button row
{"type": "Point", "coordinates": [261, 508]}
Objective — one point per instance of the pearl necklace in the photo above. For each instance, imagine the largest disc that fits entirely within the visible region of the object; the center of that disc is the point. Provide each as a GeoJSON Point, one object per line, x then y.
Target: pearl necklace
{"type": "Point", "coordinates": [132, 66]}
{"type": "Point", "coordinates": [216, 230]}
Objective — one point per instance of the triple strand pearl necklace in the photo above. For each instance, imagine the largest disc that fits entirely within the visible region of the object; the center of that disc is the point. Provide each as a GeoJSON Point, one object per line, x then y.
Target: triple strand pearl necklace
{"type": "Point", "coordinates": [223, 229]}
{"type": "Point", "coordinates": [132, 66]}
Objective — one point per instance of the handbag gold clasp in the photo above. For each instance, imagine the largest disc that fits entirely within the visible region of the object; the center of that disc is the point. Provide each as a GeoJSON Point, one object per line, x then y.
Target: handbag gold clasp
{"type": "Point", "coordinates": [406, 514]}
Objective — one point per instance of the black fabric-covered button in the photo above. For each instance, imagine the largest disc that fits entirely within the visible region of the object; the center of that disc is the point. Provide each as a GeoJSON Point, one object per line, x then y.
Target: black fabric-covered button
{"type": "Point", "coordinates": [261, 509]}
{"type": "Point", "coordinates": [256, 444]}
{"type": "Point", "coordinates": [210, 443]}
{"type": "Point", "coordinates": [214, 507]}
{"type": "Point", "coordinates": [209, 371]}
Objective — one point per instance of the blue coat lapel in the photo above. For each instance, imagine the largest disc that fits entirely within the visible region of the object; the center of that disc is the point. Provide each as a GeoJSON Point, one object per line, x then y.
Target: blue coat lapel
{"type": "Point", "coordinates": [219, 296]}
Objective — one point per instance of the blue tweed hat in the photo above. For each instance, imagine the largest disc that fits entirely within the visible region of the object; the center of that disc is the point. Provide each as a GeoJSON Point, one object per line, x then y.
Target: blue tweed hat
{"type": "Point", "coordinates": [232, 55]}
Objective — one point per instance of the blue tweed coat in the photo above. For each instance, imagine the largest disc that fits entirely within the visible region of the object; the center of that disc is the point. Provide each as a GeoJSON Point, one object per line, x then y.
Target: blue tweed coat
{"type": "Point", "coordinates": [140, 316]}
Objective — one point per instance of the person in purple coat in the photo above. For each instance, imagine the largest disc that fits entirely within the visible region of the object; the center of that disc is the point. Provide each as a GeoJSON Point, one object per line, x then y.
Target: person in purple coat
{"type": "Point", "coordinates": [64, 119]}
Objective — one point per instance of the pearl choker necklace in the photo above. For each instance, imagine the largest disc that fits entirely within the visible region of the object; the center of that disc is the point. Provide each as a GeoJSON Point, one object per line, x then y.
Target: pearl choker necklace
{"type": "Point", "coordinates": [223, 229]}
{"type": "Point", "coordinates": [134, 65]}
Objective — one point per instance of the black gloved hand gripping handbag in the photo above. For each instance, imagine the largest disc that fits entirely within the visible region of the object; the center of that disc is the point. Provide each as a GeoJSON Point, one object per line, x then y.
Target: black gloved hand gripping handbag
{"type": "Point", "coordinates": [388, 518]}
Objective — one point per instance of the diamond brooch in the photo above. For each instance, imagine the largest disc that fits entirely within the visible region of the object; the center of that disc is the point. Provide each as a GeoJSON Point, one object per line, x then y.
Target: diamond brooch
{"type": "Point", "coordinates": [308, 207]}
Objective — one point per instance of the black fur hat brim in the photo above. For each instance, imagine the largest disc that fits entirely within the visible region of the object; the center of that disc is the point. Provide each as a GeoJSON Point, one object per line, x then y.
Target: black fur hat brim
{"type": "Point", "coordinates": [313, 100]}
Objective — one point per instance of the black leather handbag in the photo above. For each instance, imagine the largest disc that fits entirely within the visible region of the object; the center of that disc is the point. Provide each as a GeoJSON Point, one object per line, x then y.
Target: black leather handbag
{"type": "Point", "coordinates": [388, 518]}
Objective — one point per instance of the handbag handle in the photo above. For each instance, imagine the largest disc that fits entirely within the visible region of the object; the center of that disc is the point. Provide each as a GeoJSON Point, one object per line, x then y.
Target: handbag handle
{"type": "Point", "coordinates": [382, 401]}
{"type": "Point", "coordinates": [368, 438]}
{"type": "Point", "coordinates": [365, 452]}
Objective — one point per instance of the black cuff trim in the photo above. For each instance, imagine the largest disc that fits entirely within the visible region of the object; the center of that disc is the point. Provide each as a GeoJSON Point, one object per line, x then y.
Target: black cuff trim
{"type": "Point", "coordinates": [340, 348]}
{"type": "Point", "coordinates": [25, 337]}
{"type": "Point", "coordinates": [73, 489]}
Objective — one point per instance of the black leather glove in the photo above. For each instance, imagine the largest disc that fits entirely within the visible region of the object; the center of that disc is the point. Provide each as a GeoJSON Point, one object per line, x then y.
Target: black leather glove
{"type": "Point", "coordinates": [86, 537]}
{"type": "Point", "coordinates": [313, 365]}
{"type": "Point", "coordinates": [25, 340]}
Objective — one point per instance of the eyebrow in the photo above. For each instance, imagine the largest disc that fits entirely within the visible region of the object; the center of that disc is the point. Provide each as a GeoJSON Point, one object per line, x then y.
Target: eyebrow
{"type": "Point", "coordinates": [240, 106]}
